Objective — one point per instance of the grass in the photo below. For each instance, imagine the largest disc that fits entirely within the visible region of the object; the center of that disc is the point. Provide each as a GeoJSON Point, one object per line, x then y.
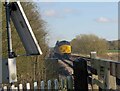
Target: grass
{"type": "Point", "coordinates": [114, 51]}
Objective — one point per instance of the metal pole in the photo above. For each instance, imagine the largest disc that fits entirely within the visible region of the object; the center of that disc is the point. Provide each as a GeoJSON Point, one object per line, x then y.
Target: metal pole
{"type": "Point", "coordinates": [8, 28]}
{"type": "Point", "coordinates": [7, 8]}
{"type": "Point", "coordinates": [11, 55]}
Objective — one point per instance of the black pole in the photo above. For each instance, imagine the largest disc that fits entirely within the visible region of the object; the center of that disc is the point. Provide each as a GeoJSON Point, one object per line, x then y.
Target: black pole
{"type": "Point", "coordinates": [80, 75]}
{"type": "Point", "coordinates": [8, 28]}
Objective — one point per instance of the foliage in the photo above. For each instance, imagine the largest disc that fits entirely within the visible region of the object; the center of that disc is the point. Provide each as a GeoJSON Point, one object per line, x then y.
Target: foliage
{"type": "Point", "coordinates": [86, 43]}
{"type": "Point", "coordinates": [113, 51]}
{"type": "Point", "coordinates": [114, 45]}
{"type": "Point", "coordinates": [28, 68]}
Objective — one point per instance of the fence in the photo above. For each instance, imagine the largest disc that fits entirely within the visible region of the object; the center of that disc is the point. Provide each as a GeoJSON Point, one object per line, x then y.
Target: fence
{"type": "Point", "coordinates": [62, 84]}
{"type": "Point", "coordinates": [102, 74]}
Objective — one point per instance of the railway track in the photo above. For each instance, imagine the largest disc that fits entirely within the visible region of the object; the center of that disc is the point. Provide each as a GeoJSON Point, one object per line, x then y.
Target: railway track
{"type": "Point", "coordinates": [69, 61]}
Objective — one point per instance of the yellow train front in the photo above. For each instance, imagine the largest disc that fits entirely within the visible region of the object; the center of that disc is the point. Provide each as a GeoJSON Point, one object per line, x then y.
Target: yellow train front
{"type": "Point", "coordinates": [62, 49]}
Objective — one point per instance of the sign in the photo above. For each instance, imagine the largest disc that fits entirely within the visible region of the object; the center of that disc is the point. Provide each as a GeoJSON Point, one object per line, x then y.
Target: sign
{"type": "Point", "coordinates": [12, 70]}
{"type": "Point", "coordinates": [24, 29]}
{"type": "Point", "coordinates": [8, 71]}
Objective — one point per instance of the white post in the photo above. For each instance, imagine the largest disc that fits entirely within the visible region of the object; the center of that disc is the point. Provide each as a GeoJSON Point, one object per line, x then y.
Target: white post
{"type": "Point", "coordinates": [56, 84]}
{"type": "Point", "coordinates": [28, 86]}
{"type": "Point", "coordinates": [35, 86]}
{"type": "Point", "coordinates": [12, 70]}
{"type": "Point", "coordinates": [20, 87]}
{"type": "Point", "coordinates": [49, 84]}
{"type": "Point", "coordinates": [5, 88]}
{"type": "Point", "coordinates": [12, 87]}
{"type": "Point", "coordinates": [16, 88]}
{"type": "Point", "coordinates": [42, 85]}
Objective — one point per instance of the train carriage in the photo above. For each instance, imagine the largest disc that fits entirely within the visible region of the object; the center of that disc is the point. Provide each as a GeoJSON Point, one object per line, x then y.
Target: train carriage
{"type": "Point", "coordinates": [62, 49]}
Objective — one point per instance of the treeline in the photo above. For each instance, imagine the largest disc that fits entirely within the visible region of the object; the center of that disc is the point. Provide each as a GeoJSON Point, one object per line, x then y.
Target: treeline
{"type": "Point", "coordinates": [114, 45]}
{"type": "Point", "coordinates": [84, 44]}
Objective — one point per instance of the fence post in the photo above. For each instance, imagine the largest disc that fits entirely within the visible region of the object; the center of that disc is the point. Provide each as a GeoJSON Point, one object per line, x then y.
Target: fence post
{"type": "Point", "coordinates": [12, 87]}
{"type": "Point", "coordinates": [28, 86]}
{"type": "Point", "coordinates": [80, 74]}
{"type": "Point", "coordinates": [118, 76]}
{"type": "Point", "coordinates": [69, 83]}
{"type": "Point", "coordinates": [108, 76]}
{"type": "Point", "coordinates": [56, 84]}
{"type": "Point", "coordinates": [35, 86]}
{"type": "Point", "coordinates": [113, 76]}
{"type": "Point", "coordinates": [5, 88]}
{"type": "Point", "coordinates": [93, 64]}
{"type": "Point", "coordinates": [49, 85]}
{"type": "Point", "coordinates": [42, 86]}
{"type": "Point", "coordinates": [16, 89]}
{"type": "Point", "coordinates": [20, 87]}
{"type": "Point", "coordinates": [62, 84]}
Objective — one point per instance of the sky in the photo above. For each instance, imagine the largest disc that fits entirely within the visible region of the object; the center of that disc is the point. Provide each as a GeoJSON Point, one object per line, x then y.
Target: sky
{"type": "Point", "coordinates": [66, 20]}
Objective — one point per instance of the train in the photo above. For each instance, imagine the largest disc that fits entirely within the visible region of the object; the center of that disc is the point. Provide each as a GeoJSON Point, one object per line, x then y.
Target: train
{"type": "Point", "coordinates": [62, 49]}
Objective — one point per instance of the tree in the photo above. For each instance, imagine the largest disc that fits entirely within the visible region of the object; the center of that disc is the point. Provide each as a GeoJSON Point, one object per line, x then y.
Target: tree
{"type": "Point", "coordinates": [86, 43]}
{"type": "Point", "coordinates": [114, 45]}
{"type": "Point", "coordinates": [27, 66]}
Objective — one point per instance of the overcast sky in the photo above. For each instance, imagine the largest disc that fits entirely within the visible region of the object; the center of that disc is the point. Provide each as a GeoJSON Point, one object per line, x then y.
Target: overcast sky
{"type": "Point", "coordinates": [66, 20]}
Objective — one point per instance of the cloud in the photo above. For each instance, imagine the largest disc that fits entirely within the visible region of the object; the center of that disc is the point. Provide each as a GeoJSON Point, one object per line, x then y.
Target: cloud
{"type": "Point", "coordinates": [50, 13]}
{"type": "Point", "coordinates": [104, 20]}
{"type": "Point", "coordinates": [60, 13]}
{"type": "Point", "coordinates": [70, 11]}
